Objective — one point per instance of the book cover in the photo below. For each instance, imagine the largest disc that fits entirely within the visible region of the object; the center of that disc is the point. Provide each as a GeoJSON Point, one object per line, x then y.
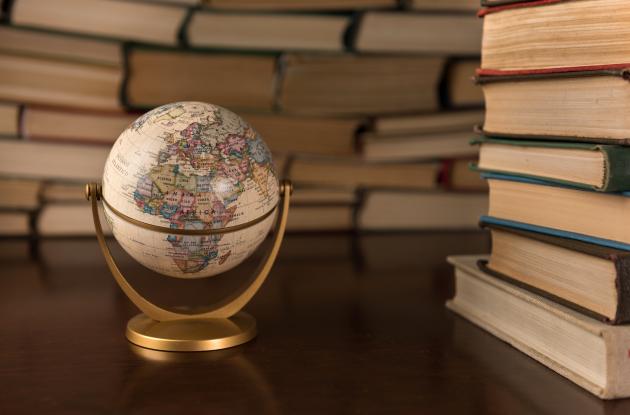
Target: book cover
{"type": "Point", "coordinates": [616, 162]}
{"type": "Point", "coordinates": [620, 258]}
{"type": "Point", "coordinates": [587, 352]}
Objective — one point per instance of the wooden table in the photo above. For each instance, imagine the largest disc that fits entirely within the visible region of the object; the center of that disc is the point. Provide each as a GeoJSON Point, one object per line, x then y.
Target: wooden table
{"type": "Point", "coordinates": [347, 325]}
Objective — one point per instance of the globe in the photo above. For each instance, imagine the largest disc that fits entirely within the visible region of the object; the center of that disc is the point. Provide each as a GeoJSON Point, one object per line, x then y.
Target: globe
{"type": "Point", "coordinates": [189, 190]}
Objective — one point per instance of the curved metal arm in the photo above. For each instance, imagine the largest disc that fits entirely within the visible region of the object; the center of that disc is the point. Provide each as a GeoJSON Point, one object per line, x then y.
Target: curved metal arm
{"type": "Point", "coordinates": [224, 309]}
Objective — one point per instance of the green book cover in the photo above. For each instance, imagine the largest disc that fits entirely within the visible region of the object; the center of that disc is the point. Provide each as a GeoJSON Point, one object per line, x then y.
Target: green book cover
{"type": "Point", "coordinates": [616, 162]}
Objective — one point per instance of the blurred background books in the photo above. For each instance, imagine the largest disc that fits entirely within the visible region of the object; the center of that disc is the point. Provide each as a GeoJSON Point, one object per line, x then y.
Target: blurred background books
{"type": "Point", "coordinates": [368, 105]}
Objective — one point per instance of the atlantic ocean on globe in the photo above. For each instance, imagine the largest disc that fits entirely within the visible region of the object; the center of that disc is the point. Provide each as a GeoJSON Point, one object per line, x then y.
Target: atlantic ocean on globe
{"type": "Point", "coordinates": [190, 166]}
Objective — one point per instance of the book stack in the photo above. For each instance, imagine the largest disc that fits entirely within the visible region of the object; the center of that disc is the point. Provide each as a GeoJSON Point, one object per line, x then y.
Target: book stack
{"type": "Point", "coordinates": [351, 95]}
{"type": "Point", "coordinates": [555, 151]}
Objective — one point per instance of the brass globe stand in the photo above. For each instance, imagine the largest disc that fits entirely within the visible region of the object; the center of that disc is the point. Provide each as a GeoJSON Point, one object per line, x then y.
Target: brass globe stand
{"type": "Point", "coordinates": [219, 326]}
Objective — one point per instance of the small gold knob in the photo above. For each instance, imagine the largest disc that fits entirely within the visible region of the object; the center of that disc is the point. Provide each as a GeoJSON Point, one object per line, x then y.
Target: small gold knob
{"type": "Point", "coordinates": [286, 185]}
{"type": "Point", "coordinates": [92, 189]}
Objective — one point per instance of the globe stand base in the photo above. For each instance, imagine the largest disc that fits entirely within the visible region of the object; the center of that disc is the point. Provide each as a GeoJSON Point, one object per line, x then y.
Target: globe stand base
{"type": "Point", "coordinates": [191, 335]}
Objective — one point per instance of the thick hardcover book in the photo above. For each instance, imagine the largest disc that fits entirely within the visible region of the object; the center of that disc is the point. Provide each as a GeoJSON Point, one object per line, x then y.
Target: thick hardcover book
{"type": "Point", "coordinates": [587, 352]}
{"type": "Point", "coordinates": [551, 33]}
{"type": "Point", "coordinates": [559, 104]}
{"type": "Point", "coordinates": [605, 216]}
{"type": "Point", "coordinates": [137, 21]}
{"type": "Point", "coordinates": [159, 75]}
{"type": "Point", "coordinates": [598, 167]}
{"type": "Point", "coordinates": [588, 277]}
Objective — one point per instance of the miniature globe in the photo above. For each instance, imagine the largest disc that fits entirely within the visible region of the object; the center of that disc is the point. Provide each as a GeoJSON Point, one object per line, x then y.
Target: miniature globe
{"type": "Point", "coordinates": [183, 168]}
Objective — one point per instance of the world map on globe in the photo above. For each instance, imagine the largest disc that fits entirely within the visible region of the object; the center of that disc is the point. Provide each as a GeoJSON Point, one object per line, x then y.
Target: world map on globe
{"type": "Point", "coordinates": [190, 166]}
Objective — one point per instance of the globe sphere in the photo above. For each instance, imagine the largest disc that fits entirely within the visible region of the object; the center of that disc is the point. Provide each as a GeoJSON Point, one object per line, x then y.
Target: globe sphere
{"type": "Point", "coordinates": [190, 166]}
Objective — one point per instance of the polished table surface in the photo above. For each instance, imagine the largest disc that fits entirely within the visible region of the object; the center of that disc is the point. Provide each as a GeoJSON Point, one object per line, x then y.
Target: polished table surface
{"type": "Point", "coordinates": [347, 324]}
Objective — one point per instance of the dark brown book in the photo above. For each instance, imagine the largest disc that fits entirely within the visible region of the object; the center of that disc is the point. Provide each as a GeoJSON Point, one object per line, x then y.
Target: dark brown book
{"type": "Point", "coordinates": [157, 76]}
{"type": "Point", "coordinates": [359, 84]}
{"type": "Point", "coordinates": [587, 277]}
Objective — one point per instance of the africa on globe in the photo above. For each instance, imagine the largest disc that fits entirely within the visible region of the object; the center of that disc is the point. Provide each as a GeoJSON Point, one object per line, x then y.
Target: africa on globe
{"type": "Point", "coordinates": [190, 166]}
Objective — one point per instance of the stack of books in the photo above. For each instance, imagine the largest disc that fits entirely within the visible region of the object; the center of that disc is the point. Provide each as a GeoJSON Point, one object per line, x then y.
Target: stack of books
{"type": "Point", "coordinates": [350, 95]}
{"type": "Point", "coordinates": [555, 151]}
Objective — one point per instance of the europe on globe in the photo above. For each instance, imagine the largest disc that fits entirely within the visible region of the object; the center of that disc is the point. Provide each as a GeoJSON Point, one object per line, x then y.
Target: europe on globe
{"type": "Point", "coordinates": [190, 166]}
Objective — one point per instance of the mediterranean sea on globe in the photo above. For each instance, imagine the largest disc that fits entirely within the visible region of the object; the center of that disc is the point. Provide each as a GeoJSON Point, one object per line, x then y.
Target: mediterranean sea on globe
{"type": "Point", "coordinates": [190, 165]}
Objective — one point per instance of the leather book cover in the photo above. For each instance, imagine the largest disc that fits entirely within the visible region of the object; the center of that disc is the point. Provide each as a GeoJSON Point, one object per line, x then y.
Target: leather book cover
{"type": "Point", "coordinates": [620, 258]}
{"type": "Point", "coordinates": [616, 161]}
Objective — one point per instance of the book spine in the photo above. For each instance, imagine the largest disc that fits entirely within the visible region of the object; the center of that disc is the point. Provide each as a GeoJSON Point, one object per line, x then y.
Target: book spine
{"type": "Point", "coordinates": [622, 284]}
{"type": "Point", "coordinates": [5, 11]}
{"type": "Point", "coordinates": [617, 364]}
{"type": "Point", "coordinates": [182, 32]}
{"type": "Point", "coordinates": [483, 266]}
{"type": "Point", "coordinates": [617, 161]}
{"type": "Point", "coordinates": [351, 33]}
{"type": "Point", "coordinates": [123, 98]}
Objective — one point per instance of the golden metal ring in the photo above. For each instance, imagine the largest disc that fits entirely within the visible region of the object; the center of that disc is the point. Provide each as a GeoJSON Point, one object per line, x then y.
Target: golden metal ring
{"type": "Point", "coordinates": [189, 232]}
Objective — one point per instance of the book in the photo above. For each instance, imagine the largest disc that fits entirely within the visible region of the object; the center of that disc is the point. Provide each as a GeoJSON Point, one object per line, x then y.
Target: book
{"type": "Point", "coordinates": [457, 175]}
{"type": "Point", "coordinates": [353, 173]}
{"type": "Point", "coordinates": [458, 89]}
{"type": "Point", "coordinates": [321, 218]}
{"type": "Point", "coordinates": [56, 69]}
{"type": "Point", "coordinates": [268, 31]}
{"type": "Point", "coordinates": [469, 6]}
{"type": "Point", "coordinates": [300, 5]}
{"type": "Point", "coordinates": [437, 122]}
{"type": "Point", "coordinates": [516, 383]}
{"type": "Point", "coordinates": [416, 146]}
{"type": "Point", "coordinates": [19, 194]}
{"type": "Point", "coordinates": [599, 217]}
{"type": "Point", "coordinates": [63, 191]}
{"type": "Point", "coordinates": [585, 276]}
{"type": "Point", "coordinates": [306, 135]}
{"type": "Point", "coordinates": [71, 125]}
{"type": "Point", "coordinates": [587, 352]}
{"type": "Point", "coordinates": [124, 20]}
{"type": "Point", "coordinates": [575, 106]}
{"type": "Point", "coordinates": [52, 161]}
{"type": "Point", "coordinates": [322, 196]}
{"type": "Point", "coordinates": [9, 118]}
{"type": "Point", "coordinates": [406, 210]}
{"type": "Point", "coordinates": [548, 34]}
{"type": "Point", "coordinates": [598, 167]}
{"type": "Point", "coordinates": [392, 32]}
{"type": "Point", "coordinates": [15, 224]}
{"type": "Point", "coordinates": [316, 135]}
{"type": "Point", "coordinates": [47, 45]}
{"type": "Point", "coordinates": [158, 76]}
{"type": "Point", "coordinates": [52, 81]}
{"type": "Point", "coordinates": [357, 84]}
{"type": "Point", "coordinates": [69, 219]}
